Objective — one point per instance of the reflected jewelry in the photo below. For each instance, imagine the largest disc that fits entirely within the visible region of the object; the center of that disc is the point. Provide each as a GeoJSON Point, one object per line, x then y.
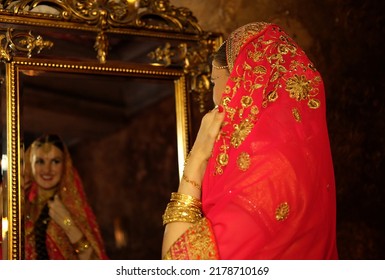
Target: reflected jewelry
{"type": "Point", "coordinates": [192, 182]}
{"type": "Point", "coordinates": [219, 67]}
{"type": "Point", "coordinates": [67, 222]}
{"type": "Point", "coordinates": [81, 245]}
{"type": "Point", "coordinates": [182, 208]}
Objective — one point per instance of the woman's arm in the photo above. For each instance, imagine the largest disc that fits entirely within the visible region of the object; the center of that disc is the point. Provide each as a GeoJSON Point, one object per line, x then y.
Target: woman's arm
{"type": "Point", "coordinates": [194, 170]}
{"type": "Point", "coordinates": [62, 217]}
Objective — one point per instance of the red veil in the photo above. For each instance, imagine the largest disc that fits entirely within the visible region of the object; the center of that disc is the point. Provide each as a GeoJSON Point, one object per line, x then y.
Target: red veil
{"type": "Point", "coordinates": [269, 188]}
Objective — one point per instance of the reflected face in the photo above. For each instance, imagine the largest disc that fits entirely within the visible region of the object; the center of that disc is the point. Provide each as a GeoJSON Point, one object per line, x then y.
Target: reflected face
{"type": "Point", "coordinates": [219, 79]}
{"type": "Point", "coordinates": [47, 166]}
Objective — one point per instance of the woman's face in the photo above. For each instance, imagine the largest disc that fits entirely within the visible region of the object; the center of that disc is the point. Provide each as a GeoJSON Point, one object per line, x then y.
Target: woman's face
{"type": "Point", "coordinates": [219, 79]}
{"type": "Point", "coordinates": [47, 166]}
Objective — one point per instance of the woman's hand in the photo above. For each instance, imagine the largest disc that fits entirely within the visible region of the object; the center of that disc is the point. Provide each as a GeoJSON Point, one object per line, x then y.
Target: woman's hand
{"type": "Point", "coordinates": [201, 151]}
{"type": "Point", "coordinates": [208, 132]}
{"type": "Point", "coordinates": [59, 213]}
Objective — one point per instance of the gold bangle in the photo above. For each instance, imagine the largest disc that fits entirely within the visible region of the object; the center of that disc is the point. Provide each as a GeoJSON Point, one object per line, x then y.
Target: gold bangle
{"type": "Point", "coordinates": [182, 208]}
{"type": "Point", "coordinates": [186, 199]}
{"type": "Point", "coordinates": [192, 182]}
{"type": "Point", "coordinates": [181, 214]}
{"type": "Point", "coordinates": [81, 245]}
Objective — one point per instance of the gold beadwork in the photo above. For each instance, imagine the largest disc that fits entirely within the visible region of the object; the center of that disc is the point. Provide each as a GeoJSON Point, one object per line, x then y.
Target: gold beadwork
{"type": "Point", "coordinates": [67, 222]}
{"type": "Point", "coordinates": [220, 67]}
{"type": "Point", "coordinates": [282, 211]}
{"type": "Point", "coordinates": [81, 245]}
{"type": "Point", "coordinates": [243, 161]}
{"type": "Point", "coordinates": [296, 114]}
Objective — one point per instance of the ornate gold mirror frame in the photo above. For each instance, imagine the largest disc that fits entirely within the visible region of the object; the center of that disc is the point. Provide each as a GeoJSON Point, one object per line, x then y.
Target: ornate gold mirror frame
{"type": "Point", "coordinates": [180, 52]}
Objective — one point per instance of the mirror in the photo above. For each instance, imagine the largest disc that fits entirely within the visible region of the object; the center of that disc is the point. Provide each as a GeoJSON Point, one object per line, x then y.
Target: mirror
{"type": "Point", "coordinates": [125, 94]}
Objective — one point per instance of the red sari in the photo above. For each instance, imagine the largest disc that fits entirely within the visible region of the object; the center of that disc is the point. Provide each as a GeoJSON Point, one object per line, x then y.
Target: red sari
{"type": "Point", "coordinates": [269, 188]}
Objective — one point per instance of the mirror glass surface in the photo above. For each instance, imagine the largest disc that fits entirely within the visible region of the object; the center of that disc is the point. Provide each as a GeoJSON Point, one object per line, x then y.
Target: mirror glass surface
{"type": "Point", "coordinates": [121, 133]}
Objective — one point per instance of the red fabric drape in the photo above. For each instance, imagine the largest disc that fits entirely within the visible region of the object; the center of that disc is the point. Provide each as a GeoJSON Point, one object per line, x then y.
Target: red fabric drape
{"type": "Point", "coordinates": [269, 188]}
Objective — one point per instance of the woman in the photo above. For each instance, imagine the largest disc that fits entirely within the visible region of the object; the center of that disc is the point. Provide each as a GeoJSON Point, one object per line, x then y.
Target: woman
{"type": "Point", "coordinates": [59, 222]}
{"type": "Point", "coordinates": [259, 180]}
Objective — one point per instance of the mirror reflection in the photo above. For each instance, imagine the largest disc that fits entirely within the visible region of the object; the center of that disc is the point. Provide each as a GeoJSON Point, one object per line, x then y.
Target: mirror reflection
{"type": "Point", "coordinates": [120, 133]}
{"type": "Point", "coordinates": [59, 223]}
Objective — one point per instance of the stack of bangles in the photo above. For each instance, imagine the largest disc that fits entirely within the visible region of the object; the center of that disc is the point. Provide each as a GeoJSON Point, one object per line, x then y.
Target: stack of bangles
{"type": "Point", "coordinates": [182, 208]}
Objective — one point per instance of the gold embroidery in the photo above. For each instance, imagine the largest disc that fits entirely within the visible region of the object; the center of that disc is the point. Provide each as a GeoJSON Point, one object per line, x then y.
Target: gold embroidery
{"type": "Point", "coordinates": [239, 38]}
{"type": "Point", "coordinates": [296, 114]}
{"type": "Point", "coordinates": [272, 96]}
{"type": "Point", "coordinates": [260, 70]}
{"type": "Point", "coordinates": [246, 101]}
{"type": "Point", "coordinates": [314, 103]}
{"type": "Point", "coordinates": [197, 243]}
{"type": "Point", "coordinates": [255, 56]}
{"type": "Point", "coordinates": [298, 87]}
{"type": "Point", "coordinates": [282, 211]}
{"type": "Point", "coordinates": [222, 159]}
{"type": "Point", "coordinates": [280, 54]}
{"type": "Point", "coordinates": [240, 132]}
{"type": "Point", "coordinates": [311, 66]}
{"type": "Point", "coordinates": [243, 161]}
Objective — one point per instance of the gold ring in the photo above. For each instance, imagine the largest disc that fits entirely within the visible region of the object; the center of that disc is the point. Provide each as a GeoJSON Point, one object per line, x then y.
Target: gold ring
{"type": "Point", "coordinates": [67, 222]}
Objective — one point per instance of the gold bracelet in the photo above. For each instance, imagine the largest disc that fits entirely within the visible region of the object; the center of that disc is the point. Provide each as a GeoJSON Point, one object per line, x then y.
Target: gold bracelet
{"type": "Point", "coordinates": [182, 208]}
{"type": "Point", "coordinates": [192, 182]}
{"type": "Point", "coordinates": [181, 214]}
{"type": "Point", "coordinates": [81, 245]}
{"type": "Point", "coordinates": [186, 199]}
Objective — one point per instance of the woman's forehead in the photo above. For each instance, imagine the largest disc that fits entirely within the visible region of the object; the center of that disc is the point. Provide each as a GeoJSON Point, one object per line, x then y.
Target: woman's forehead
{"type": "Point", "coordinates": [47, 150]}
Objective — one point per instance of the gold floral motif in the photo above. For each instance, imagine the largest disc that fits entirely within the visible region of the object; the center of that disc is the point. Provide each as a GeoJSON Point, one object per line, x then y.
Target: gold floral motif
{"type": "Point", "coordinates": [246, 101]}
{"type": "Point", "coordinates": [222, 159]}
{"type": "Point", "coordinates": [298, 87]}
{"type": "Point", "coordinates": [243, 161]}
{"type": "Point", "coordinates": [296, 114]}
{"type": "Point", "coordinates": [272, 96]}
{"type": "Point", "coordinates": [255, 56]}
{"type": "Point", "coordinates": [260, 70]}
{"type": "Point", "coordinates": [314, 103]}
{"type": "Point", "coordinates": [282, 211]}
{"type": "Point", "coordinates": [254, 111]}
{"type": "Point", "coordinates": [240, 132]}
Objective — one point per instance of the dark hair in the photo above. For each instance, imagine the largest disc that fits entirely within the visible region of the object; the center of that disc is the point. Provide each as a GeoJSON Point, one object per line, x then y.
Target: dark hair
{"type": "Point", "coordinates": [220, 56]}
{"type": "Point", "coordinates": [52, 139]}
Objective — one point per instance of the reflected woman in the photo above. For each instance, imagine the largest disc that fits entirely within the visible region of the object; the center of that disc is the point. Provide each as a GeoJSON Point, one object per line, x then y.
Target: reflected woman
{"type": "Point", "coordinates": [59, 222]}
